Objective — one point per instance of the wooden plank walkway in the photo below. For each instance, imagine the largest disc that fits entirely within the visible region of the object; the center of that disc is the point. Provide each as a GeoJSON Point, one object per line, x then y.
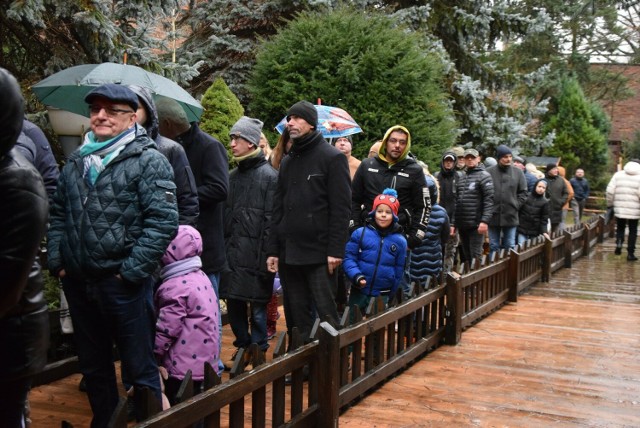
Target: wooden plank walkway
{"type": "Point", "coordinates": [566, 355]}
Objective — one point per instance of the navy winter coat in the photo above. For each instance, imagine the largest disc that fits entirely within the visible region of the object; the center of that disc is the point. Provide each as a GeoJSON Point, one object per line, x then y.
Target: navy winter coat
{"type": "Point", "coordinates": [426, 260]}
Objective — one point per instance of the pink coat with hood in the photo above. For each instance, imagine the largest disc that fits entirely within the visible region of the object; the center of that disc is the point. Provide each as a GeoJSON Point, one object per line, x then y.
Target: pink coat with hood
{"type": "Point", "coordinates": [187, 330]}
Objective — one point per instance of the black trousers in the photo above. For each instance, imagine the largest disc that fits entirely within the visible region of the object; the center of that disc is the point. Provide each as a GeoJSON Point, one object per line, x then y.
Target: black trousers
{"type": "Point", "coordinates": [621, 225]}
{"type": "Point", "coordinates": [308, 290]}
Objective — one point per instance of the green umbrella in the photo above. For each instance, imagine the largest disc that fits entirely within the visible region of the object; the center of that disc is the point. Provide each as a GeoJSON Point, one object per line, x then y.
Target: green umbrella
{"type": "Point", "coordinates": [66, 89]}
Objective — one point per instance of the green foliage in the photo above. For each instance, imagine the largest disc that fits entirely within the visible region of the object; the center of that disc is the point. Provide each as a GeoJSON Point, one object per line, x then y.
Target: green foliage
{"type": "Point", "coordinates": [579, 128]}
{"type": "Point", "coordinates": [221, 110]}
{"type": "Point", "coordinates": [51, 290]}
{"type": "Point", "coordinates": [40, 37]}
{"type": "Point", "coordinates": [631, 149]}
{"type": "Point", "coordinates": [380, 73]}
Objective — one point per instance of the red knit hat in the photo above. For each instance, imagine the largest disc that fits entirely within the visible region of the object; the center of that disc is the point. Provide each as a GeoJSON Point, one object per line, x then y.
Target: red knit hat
{"type": "Point", "coordinates": [389, 197]}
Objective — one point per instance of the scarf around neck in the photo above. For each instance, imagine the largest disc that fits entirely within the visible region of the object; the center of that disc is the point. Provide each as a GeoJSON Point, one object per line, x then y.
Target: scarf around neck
{"type": "Point", "coordinates": [96, 155]}
{"type": "Point", "coordinates": [180, 267]}
{"type": "Point", "coordinates": [252, 154]}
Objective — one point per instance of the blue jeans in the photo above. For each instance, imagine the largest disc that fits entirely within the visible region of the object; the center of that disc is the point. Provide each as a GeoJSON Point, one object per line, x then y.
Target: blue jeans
{"type": "Point", "coordinates": [103, 311]}
{"type": "Point", "coordinates": [237, 310]}
{"type": "Point", "coordinates": [502, 238]}
{"type": "Point", "coordinates": [215, 280]}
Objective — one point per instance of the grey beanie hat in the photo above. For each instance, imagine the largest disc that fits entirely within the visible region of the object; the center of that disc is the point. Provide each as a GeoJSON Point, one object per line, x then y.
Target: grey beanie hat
{"type": "Point", "coordinates": [247, 128]}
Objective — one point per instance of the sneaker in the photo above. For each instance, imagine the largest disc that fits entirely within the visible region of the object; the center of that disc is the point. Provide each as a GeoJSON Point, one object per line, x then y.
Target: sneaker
{"type": "Point", "coordinates": [631, 257]}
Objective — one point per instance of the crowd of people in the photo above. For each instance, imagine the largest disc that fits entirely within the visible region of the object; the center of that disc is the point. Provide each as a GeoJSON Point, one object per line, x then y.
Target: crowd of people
{"type": "Point", "coordinates": [149, 233]}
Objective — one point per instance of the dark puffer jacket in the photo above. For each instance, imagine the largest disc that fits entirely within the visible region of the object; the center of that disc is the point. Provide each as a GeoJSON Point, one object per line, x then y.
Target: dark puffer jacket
{"type": "Point", "coordinates": [448, 181]}
{"type": "Point", "coordinates": [186, 191]}
{"type": "Point", "coordinates": [534, 215]}
{"type": "Point", "coordinates": [122, 224]}
{"type": "Point", "coordinates": [247, 221]}
{"type": "Point", "coordinates": [426, 260]}
{"type": "Point", "coordinates": [557, 193]}
{"type": "Point", "coordinates": [24, 319]}
{"type": "Point", "coordinates": [474, 203]}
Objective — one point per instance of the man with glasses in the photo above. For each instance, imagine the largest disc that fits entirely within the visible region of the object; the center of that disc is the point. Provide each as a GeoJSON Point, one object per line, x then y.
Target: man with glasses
{"type": "Point", "coordinates": [114, 213]}
{"type": "Point", "coordinates": [393, 168]}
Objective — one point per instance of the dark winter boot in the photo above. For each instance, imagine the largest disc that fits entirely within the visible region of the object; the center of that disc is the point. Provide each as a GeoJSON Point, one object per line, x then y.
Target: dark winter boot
{"type": "Point", "coordinates": [618, 250]}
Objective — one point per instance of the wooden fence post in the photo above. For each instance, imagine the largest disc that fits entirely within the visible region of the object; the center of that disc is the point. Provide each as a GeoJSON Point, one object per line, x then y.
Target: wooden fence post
{"type": "Point", "coordinates": [328, 389]}
{"type": "Point", "coordinates": [568, 249]}
{"type": "Point", "coordinates": [546, 261]}
{"type": "Point", "coordinates": [514, 263]}
{"type": "Point", "coordinates": [586, 237]}
{"type": "Point", "coordinates": [600, 229]}
{"type": "Point", "coordinates": [453, 330]}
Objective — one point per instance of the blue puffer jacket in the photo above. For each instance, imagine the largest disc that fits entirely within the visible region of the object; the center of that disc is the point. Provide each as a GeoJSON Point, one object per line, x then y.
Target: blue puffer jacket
{"type": "Point", "coordinates": [379, 255]}
{"type": "Point", "coordinates": [426, 260]}
{"type": "Point", "coordinates": [122, 224]}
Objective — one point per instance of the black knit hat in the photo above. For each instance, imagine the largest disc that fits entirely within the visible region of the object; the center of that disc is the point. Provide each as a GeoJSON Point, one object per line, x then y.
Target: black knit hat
{"type": "Point", "coordinates": [305, 110]}
{"type": "Point", "coordinates": [502, 150]}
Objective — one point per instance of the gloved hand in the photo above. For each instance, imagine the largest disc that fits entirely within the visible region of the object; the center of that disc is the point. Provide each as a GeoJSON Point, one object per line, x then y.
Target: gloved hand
{"type": "Point", "coordinates": [413, 241]}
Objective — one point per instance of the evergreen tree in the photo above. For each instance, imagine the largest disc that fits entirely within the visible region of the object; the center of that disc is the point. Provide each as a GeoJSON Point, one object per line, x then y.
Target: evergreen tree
{"type": "Point", "coordinates": [41, 37]}
{"type": "Point", "coordinates": [221, 110]}
{"type": "Point", "coordinates": [580, 138]}
{"type": "Point", "coordinates": [381, 74]}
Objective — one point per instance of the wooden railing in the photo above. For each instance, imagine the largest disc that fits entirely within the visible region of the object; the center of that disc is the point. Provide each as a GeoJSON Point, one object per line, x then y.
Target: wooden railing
{"type": "Point", "coordinates": [343, 365]}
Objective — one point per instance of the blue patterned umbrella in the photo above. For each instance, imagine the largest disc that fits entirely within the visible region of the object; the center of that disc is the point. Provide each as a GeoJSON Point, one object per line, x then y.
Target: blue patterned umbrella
{"type": "Point", "coordinates": [333, 122]}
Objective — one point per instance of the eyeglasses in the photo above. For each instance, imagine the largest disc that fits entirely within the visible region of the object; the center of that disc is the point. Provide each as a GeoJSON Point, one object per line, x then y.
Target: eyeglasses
{"type": "Point", "coordinates": [109, 111]}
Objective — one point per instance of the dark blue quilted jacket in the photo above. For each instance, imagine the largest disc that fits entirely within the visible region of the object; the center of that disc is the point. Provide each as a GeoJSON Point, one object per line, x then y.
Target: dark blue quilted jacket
{"type": "Point", "coordinates": [426, 260]}
{"type": "Point", "coordinates": [123, 224]}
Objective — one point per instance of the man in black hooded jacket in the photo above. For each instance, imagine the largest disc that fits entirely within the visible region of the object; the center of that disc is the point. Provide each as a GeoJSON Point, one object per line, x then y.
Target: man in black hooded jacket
{"type": "Point", "coordinates": [24, 319]}
{"type": "Point", "coordinates": [186, 191]}
{"type": "Point", "coordinates": [448, 178]}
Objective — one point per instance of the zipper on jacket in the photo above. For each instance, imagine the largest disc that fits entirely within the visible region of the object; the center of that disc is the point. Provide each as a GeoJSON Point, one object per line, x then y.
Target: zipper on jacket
{"type": "Point", "coordinates": [375, 269]}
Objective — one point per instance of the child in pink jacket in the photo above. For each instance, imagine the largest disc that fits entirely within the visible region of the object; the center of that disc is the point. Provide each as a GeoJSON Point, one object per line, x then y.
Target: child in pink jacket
{"type": "Point", "coordinates": [187, 330]}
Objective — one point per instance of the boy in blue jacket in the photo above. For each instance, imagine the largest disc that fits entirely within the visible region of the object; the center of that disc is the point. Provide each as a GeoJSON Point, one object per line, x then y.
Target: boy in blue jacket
{"type": "Point", "coordinates": [375, 254]}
